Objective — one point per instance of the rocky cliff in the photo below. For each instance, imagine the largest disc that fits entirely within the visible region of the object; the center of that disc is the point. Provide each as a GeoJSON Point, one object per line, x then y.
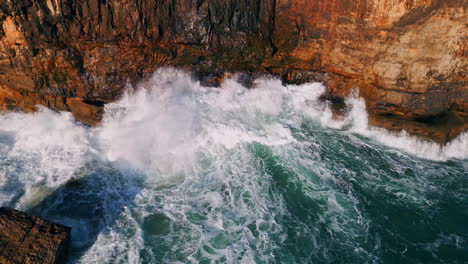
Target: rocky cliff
{"type": "Point", "coordinates": [28, 239]}
{"type": "Point", "coordinates": [408, 57]}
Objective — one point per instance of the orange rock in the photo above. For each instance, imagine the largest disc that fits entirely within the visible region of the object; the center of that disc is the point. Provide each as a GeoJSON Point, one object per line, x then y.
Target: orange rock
{"type": "Point", "coordinates": [87, 112]}
{"type": "Point", "coordinates": [28, 239]}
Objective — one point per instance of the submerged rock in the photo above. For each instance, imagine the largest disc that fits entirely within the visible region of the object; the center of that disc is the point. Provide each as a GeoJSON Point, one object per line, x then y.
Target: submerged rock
{"type": "Point", "coordinates": [29, 239]}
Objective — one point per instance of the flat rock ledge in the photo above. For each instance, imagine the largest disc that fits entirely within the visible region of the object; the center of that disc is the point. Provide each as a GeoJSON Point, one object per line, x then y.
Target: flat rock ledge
{"type": "Point", "coordinates": [28, 239]}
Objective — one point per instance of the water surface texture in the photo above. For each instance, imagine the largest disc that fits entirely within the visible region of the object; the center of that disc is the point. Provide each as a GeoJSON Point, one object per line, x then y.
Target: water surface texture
{"type": "Point", "coordinates": [180, 173]}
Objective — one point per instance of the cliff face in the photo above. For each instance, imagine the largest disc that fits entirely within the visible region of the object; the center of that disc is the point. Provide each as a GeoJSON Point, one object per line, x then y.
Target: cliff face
{"type": "Point", "coordinates": [408, 57]}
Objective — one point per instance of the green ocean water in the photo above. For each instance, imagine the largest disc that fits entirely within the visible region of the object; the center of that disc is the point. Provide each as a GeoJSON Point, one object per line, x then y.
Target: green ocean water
{"type": "Point", "coordinates": [180, 173]}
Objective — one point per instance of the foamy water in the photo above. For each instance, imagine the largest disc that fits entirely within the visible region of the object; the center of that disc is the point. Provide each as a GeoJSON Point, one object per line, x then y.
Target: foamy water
{"type": "Point", "coordinates": [181, 173]}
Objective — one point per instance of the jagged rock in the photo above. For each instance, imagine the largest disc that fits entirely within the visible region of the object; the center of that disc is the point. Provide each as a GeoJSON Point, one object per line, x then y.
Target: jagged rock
{"type": "Point", "coordinates": [408, 57]}
{"type": "Point", "coordinates": [28, 239]}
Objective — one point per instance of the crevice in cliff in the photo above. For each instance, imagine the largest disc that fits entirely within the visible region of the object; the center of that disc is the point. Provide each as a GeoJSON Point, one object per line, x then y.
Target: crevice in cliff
{"type": "Point", "coordinates": [272, 29]}
{"type": "Point", "coordinates": [396, 90]}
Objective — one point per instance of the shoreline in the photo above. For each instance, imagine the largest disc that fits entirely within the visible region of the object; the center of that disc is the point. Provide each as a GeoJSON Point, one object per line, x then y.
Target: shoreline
{"type": "Point", "coordinates": [440, 128]}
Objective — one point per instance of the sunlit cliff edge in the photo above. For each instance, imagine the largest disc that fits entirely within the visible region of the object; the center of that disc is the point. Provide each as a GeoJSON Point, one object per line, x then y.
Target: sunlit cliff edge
{"type": "Point", "coordinates": [407, 57]}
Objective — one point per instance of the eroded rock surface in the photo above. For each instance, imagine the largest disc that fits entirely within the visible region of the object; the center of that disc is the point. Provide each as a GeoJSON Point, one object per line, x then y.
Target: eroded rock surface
{"type": "Point", "coordinates": [407, 57]}
{"type": "Point", "coordinates": [28, 239]}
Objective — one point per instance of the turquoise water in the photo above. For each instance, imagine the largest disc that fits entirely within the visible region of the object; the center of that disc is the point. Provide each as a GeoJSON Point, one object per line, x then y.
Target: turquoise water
{"type": "Point", "coordinates": [180, 173]}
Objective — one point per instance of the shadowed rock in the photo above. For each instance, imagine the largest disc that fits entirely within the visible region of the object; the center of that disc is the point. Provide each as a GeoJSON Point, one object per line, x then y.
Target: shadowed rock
{"type": "Point", "coordinates": [28, 239]}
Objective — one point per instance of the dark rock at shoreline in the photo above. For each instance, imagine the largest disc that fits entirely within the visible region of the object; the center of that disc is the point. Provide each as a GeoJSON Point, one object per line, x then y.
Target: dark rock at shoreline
{"type": "Point", "coordinates": [29, 239]}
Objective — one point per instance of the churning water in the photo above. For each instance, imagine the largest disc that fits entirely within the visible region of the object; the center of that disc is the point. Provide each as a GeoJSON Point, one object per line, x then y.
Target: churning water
{"type": "Point", "coordinates": [180, 173]}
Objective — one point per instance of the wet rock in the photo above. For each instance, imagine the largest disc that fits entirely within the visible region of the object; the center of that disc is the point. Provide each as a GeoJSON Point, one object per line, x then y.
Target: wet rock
{"type": "Point", "coordinates": [87, 111]}
{"type": "Point", "coordinates": [440, 128]}
{"type": "Point", "coordinates": [28, 239]}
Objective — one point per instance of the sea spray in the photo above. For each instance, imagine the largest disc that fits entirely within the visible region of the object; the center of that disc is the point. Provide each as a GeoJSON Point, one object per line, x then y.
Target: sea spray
{"type": "Point", "coordinates": [178, 172]}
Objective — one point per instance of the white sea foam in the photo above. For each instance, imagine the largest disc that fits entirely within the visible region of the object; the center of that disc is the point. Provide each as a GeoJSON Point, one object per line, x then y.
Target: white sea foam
{"type": "Point", "coordinates": [41, 149]}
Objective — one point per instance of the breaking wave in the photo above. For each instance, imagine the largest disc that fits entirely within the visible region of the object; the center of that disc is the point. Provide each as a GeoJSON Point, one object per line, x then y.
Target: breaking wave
{"type": "Point", "coordinates": [179, 173]}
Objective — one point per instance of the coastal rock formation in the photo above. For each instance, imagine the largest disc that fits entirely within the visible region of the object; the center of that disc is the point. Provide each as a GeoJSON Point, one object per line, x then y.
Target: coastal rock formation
{"type": "Point", "coordinates": [407, 57]}
{"type": "Point", "coordinates": [29, 239]}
